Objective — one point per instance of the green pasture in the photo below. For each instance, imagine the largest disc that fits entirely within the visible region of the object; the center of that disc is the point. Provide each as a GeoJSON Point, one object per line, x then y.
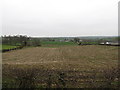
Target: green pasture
{"type": "Point", "coordinates": [7, 47]}
{"type": "Point", "coordinates": [56, 43]}
{"type": "Point", "coordinates": [94, 43]}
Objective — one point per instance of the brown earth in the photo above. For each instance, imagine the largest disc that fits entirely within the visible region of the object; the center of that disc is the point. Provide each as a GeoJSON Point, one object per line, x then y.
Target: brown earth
{"type": "Point", "coordinates": [67, 58]}
{"type": "Point", "coordinates": [83, 66]}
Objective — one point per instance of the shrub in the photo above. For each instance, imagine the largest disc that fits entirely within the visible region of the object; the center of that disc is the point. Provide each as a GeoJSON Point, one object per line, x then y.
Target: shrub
{"type": "Point", "coordinates": [111, 76]}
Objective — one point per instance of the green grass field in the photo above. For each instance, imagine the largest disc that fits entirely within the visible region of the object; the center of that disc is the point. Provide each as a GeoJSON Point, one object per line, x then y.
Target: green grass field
{"type": "Point", "coordinates": [56, 43]}
{"type": "Point", "coordinates": [44, 44]}
{"type": "Point", "coordinates": [7, 47]}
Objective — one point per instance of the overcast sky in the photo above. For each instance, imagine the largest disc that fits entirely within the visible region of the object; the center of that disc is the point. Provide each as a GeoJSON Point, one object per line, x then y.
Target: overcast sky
{"type": "Point", "coordinates": [60, 17]}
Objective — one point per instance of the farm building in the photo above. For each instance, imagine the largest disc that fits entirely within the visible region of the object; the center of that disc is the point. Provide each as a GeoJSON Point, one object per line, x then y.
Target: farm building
{"type": "Point", "coordinates": [110, 43]}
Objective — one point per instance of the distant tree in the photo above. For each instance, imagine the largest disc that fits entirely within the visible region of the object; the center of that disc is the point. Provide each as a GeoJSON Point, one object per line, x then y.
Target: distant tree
{"type": "Point", "coordinates": [76, 40]}
{"type": "Point", "coordinates": [15, 40]}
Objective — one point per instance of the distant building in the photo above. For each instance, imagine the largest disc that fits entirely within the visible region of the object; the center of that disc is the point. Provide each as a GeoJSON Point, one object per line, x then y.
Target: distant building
{"type": "Point", "coordinates": [110, 43]}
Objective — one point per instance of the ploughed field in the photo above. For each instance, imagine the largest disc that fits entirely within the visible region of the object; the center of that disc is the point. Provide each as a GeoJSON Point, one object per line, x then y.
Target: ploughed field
{"type": "Point", "coordinates": [68, 66]}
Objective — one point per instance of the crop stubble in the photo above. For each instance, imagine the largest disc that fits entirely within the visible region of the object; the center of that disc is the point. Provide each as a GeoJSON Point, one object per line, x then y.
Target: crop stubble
{"type": "Point", "coordinates": [72, 57]}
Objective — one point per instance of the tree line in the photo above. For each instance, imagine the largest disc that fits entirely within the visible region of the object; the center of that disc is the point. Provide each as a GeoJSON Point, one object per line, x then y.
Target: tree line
{"type": "Point", "coordinates": [20, 40]}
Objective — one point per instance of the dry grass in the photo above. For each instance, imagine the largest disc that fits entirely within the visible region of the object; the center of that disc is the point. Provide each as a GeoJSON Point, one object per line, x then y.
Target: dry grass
{"type": "Point", "coordinates": [75, 62]}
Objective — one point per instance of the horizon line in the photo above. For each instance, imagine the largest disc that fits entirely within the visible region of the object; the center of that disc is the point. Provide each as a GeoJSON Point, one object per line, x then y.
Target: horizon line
{"type": "Point", "coordinates": [68, 36]}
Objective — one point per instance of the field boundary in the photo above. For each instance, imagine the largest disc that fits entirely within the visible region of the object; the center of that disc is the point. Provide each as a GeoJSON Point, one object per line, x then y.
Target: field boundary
{"type": "Point", "coordinates": [6, 50]}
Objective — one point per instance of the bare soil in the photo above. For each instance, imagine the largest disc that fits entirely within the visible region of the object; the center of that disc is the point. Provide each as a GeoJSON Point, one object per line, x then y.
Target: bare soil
{"type": "Point", "coordinates": [65, 58]}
